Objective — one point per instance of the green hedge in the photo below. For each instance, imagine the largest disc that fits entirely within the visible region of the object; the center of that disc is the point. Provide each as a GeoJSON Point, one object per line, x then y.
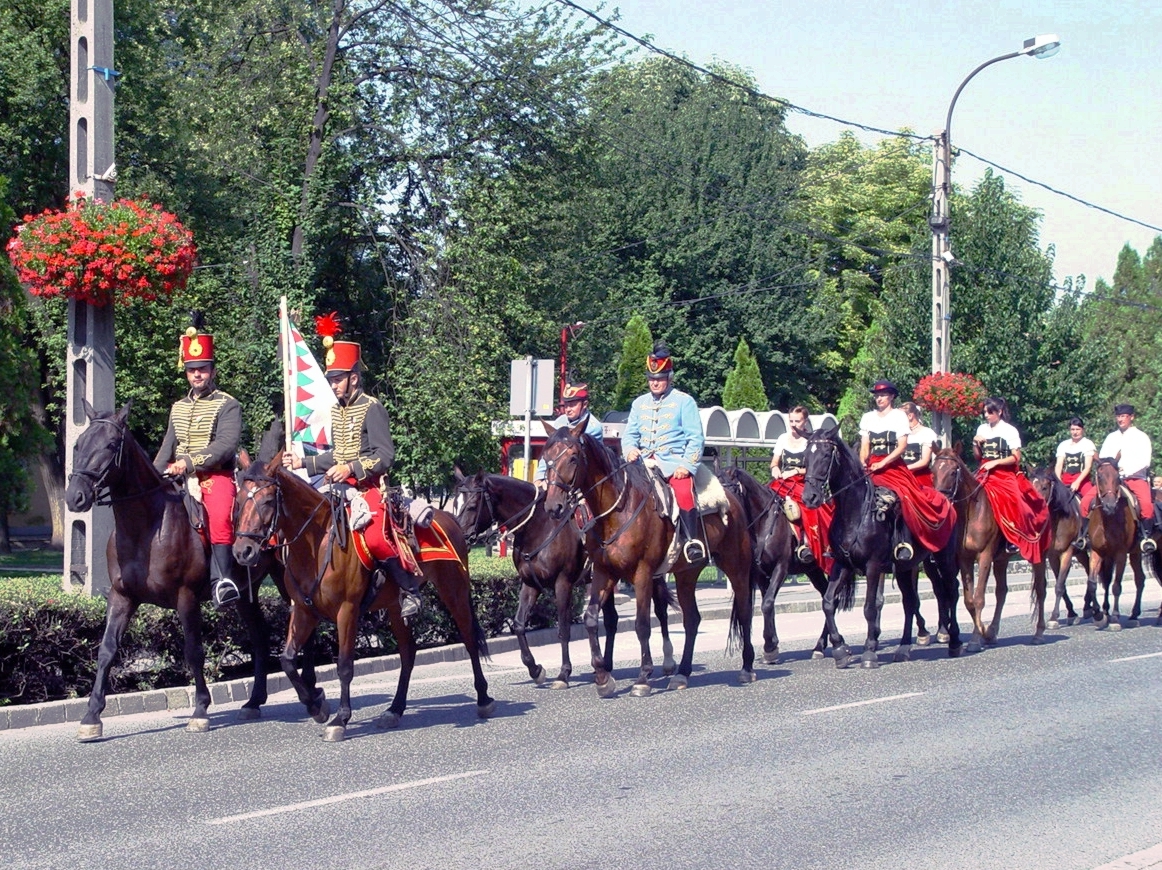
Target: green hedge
{"type": "Point", "coordinates": [49, 639]}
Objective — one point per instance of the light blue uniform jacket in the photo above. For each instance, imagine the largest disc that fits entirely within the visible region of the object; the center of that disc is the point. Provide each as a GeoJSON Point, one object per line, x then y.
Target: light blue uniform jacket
{"type": "Point", "coordinates": [592, 428]}
{"type": "Point", "coordinates": [667, 429]}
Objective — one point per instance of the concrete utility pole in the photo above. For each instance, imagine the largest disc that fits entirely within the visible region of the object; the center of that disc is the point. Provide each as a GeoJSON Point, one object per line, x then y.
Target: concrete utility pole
{"type": "Point", "coordinates": [90, 329]}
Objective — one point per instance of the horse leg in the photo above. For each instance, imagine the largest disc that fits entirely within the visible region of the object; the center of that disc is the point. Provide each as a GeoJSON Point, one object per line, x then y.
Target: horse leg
{"type": "Point", "coordinates": [563, 590]}
{"type": "Point", "coordinates": [1115, 614]}
{"type": "Point", "coordinates": [300, 629]}
{"type": "Point", "coordinates": [527, 598]}
{"type": "Point", "coordinates": [661, 603]}
{"type": "Point", "coordinates": [643, 596]}
{"type": "Point", "coordinates": [1059, 587]}
{"type": "Point", "coordinates": [346, 628]}
{"type": "Point", "coordinates": [1038, 598]}
{"type": "Point", "coordinates": [946, 587]}
{"type": "Point", "coordinates": [840, 653]}
{"type": "Point", "coordinates": [405, 640]}
{"type": "Point", "coordinates": [190, 615]}
{"type": "Point", "coordinates": [600, 591]}
{"type": "Point", "coordinates": [1139, 588]}
{"type": "Point", "coordinates": [923, 638]}
{"type": "Point", "coordinates": [819, 581]}
{"type": "Point", "coordinates": [742, 613]}
{"type": "Point", "coordinates": [909, 582]}
{"type": "Point", "coordinates": [1096, 568]}
{"type": "Point", "coordinates": [1001, 570]}
{"type": "Point", "coordinates": [686, 583]}
{"type": "Point", "coordinates": [873, 603]}
{"type": "Point", "coordinates": [770, 636]}
{"type": "Point", "coordinates": [974, 596]}
{"type": "Point", "coordinates": [118, 612]}
{"type": "Point", "coordinates": [259, 632]}
{"type": "Point", "coordinates": [454, 587]}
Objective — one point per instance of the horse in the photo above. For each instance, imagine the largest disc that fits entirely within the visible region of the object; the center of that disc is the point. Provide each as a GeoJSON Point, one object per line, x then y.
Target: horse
{"type": "Point", "coordinates": [547, 554]}
{"type": "Point", "coordinates": [980, 542]}
{"type": "Point", "coordinates": [156, 556]}
{"type": "Point", "coordinates": [630, 540]}
{"type": "Point", "coordinates": [1066, 520]}
{"type": "Point", "coordinates": [327, 580]}
{"type": "Point", "coordinates": [773, 549]}
{"type": "Point", "coordinates": [1113, 534]}
{"type": "Point", "coordinates": [860, 541]}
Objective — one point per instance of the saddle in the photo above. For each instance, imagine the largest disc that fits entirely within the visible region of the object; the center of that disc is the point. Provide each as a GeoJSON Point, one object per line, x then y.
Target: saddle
{"type": "Point", "coordinates": [709, 496]}
{"type": "Point", "coordinates": [885, 503]}
{"type": "Point", "coordinates": [401, 529]}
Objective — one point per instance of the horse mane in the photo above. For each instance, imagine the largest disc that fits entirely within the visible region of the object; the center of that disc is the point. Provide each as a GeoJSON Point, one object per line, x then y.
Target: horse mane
{"type": "Point", "coordinates": [1060, 498]}
{"type": "Point", "coordinates": [843, 449]}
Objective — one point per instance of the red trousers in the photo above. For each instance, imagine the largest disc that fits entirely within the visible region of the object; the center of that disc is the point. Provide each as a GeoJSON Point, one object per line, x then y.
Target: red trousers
{"type": "Point", "coordinates": [815, 522]}
{"type": "Point", "coordinates": [1086, 483]}
{"type": "Point", "coordinates": [1139, 487]}
{"type": "Point", "coordinates": [683, 488]}
{"type": "Point", "coordinates": [378, 541]}
{"type": "Point", "coordinates": [218, 498]}
{"type": "Point", "coordinates": [929, 516]}
{"type": "Point", "coordinates": [1021, 513]}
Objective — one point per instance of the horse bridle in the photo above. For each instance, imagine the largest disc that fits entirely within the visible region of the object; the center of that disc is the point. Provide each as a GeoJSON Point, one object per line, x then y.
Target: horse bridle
{"type": "Point", "coordinates": [104, 499]}
{"type": "Point", "coordinates": [264, 538]}
{"type": "Point", "coordinates": [574, 495]}
{"type": "Point", "coordinates": [956, 482]}
{"type": "Point", "coordinates": [489, 502]}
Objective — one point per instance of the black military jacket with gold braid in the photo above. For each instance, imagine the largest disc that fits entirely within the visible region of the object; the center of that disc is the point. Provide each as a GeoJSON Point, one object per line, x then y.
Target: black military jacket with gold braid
{"type": "Point", "coordinates": [361, 433]}
{"type": "Point", "coordinates": [203, 432]}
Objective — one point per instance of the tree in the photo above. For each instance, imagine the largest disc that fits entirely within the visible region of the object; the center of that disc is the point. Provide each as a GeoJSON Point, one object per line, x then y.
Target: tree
{"type": "Point", "coordinates": [744, 382]}
{"type": "Point", "coordinates": [631, 364]}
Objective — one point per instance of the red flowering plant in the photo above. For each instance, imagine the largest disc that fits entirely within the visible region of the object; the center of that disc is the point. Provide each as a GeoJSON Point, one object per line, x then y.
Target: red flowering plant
{"type": "Point", "coordinates": [952, 393]}
{"type": "Point", "coordinates": [100, 252]}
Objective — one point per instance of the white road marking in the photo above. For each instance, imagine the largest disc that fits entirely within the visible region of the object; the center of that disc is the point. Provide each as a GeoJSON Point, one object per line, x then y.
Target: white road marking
{"type": "Point", "coordinates": [339, 798]}
{"type": "Point", "coordinates": [1135, 658]}
{"type": "Point", "coordinates": [1151, 857]}
{"type": "Point", "coordinates": [861, 703]}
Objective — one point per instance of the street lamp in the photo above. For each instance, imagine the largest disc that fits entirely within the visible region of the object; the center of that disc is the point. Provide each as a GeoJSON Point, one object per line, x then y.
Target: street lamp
{"type": "Point", "coordinates": [942, 258]}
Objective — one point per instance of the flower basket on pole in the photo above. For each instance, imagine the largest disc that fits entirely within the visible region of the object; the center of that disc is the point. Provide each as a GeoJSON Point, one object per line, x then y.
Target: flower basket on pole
{"type": "Point", "coordinates": [98, 252]}
{"type": "Point", "coordinates": [951, 393]}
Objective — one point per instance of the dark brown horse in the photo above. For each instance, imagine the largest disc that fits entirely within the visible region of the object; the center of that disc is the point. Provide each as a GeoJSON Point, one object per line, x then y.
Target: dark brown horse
{"type": "Point", "coordinates": [1113, 533]}
{"type": "Point", "coordinates": [773, 549]}
{"type": "Point", "coordinates": [861, 541]}
{"type": "Point", "coordinates": [630, 541]}
{"type": "Point", "coordinates": [1066, 521]}
{"type": "Point", "coordinates": [547, 553]}
{"type": "Point", "coordinates": [981, 544]}
{"type": "Point", "coordinates": [155, 556]}
{"type": "Point", "coordinates": [327, 580]}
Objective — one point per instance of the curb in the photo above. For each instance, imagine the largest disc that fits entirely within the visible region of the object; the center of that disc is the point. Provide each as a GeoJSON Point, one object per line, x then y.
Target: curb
{"type": "Point", "coordinates": [182, 697]}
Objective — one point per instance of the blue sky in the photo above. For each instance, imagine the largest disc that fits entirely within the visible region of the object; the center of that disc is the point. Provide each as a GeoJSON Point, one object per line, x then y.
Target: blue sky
{"type": "Point", "coordinates": [1087, 121]}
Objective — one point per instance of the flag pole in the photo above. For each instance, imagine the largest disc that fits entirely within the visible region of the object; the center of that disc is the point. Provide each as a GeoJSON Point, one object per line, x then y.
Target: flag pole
{"type": "Point", "coordinates": [287, 374]}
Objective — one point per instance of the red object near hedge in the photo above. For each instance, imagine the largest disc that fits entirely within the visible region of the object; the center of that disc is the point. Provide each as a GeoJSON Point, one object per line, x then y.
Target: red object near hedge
{"type": "Point", "coordinates": [955, 394]}
{"type": "Point", "coordinates": [100, 252]}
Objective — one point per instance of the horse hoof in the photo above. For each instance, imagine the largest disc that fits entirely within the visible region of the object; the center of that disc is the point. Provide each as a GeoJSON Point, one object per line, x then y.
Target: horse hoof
{"type": "Point", "coordinates": [485, 711]}
{"type": "Point", "coordinates": [955, 651]}
{"type": "Point", "coordinates": [1099, 624]}
{"type": "Point", "coordinates": [323, 713]}
{"type": "Point", "coordinates": [89, 733]}
{"type": "Point", "coordinates": [678, 681]}
{"type": "Point", "coordinates": [334, 733]}
{"type": "Point", "coordinates": [669, 667]}
{"type": "Point", "coordinates": [745, 676]}
{"type": "Point", "coordinates": [903, 654]}
{"type": "Point", "coordinates": [973, 646]}
{"type": "Point", "coordinates": [540, 677]}
{"type": "Point", "coordinates": [1132, 623]}
{"type": "Point", "coordinates": [815, 654]}
{"type": "Point", "coordinates": [942, 637]}
{"type": "Point", "coordinates": [1053, 625]}
{"type": "Point", "coordinates": [559, 684]}
{"type": "Point", "coordinates": [1115, 626]}
{"type": "Point", "coordinates": [923, 639]}
{"type": "Point", "coordinates": [607, 689]}
{"type": "Point", "coordinates": [772, 657]}
{"type": "Point", "coordinates": [389, 719]}
{"type": "Point", "coordinates": [869, 662]}
{"type": "Point", "coordinates": [842, 662]}
{"type": "Point", "coordinates": [640, 690]}
{"type": "Point", "coordinates": [1037, 640]}
{"type": "Point", "coordinates": [249, 714]}
{"type": "Point", "coordinates": [198, 726]}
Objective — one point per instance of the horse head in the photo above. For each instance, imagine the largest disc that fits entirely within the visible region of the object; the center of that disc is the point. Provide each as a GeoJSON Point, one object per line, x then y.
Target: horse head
{"type": "Point", "coordinates": [825, 455]}
{"type": "Point", "coordinates": [97, 456]}
{"type": "Point", "coordinates": [566, 466]}
{"type": "Point", "coordinates": [1056, 494]}
{"type": "Point", "coordinates": [949, 473]}
{"type": "Point", "coordinates": [1108, 482]}
{"type": "Point", "coordinates": [257, 510]}
{"type": "Point", "coordinates": [472, 504]}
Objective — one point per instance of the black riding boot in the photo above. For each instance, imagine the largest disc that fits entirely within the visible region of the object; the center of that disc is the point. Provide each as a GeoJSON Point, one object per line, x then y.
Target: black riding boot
{"type": "Point", "coordinates": [410, 601]}
{"type": "Point", "coordinates": [694, 550]}
{"type": "Point", "coordinates": [1145, 535]}
{"type": "Point", "coordinates": [225, 590]}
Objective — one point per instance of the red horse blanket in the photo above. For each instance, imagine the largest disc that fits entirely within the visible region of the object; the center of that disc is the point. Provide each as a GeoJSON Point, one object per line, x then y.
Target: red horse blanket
{"type": "Point", "coordinates": [815, 521]}
{"type": "Point", "coordinates": [929, 514]}
{"type": "Point", "coordinates": [1021, 513]}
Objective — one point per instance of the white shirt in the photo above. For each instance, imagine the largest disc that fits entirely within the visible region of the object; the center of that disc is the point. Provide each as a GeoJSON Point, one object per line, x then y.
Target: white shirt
{"type": "Point", "coordinates": [1002, 430]}
{"type": "Point", "coordinates": [788, 443]}
{"type": "Point", "coordinates": [920, 436]}
{"type": "Point", "coordinates": [895, 421]}
{"type": "Point", "coordinates": [1085, 447]}
{"type": "Point", "coordinates": [1134, 447]}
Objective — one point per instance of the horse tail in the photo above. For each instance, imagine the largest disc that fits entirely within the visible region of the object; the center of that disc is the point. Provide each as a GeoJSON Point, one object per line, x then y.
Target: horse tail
{"type": "Point", "coordinates": [845, 594]}
{"type": "Point", "coordinates": [734, 636]}
{"type": "Point", "coordinates": [480, 637]}
{"type": "Point", "coordinates": [663, 593]}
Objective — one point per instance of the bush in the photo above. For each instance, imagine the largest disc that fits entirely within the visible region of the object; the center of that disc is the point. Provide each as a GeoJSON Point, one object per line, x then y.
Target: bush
{"type": "Point", "coordinates": [49, 639]}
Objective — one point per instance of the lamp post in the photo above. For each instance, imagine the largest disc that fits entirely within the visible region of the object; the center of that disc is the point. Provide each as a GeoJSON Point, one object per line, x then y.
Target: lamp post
{"type": "Point", "coordinates": [942, 259]}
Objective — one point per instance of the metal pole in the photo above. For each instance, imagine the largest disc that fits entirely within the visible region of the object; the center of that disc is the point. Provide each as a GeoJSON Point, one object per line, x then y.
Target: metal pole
{"type": "Point", "coordinates": [532, 364]}
{"type": "Point", "coordinates": [90, 355]}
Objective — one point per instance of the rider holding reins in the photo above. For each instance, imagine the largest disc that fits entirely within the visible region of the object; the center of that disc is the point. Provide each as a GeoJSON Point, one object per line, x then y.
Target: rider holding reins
{"type": "Point", "coordinates": [1132, 450]}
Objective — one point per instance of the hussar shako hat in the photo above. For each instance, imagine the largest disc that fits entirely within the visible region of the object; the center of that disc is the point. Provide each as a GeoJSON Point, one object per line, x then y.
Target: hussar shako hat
{"type": "Point", "coordinates": [340, 357]}
{"type": "Point", "coordinates": [197, 346]}
{"type": "Point", "coordinates": [575, 390]}
{"type": "Point", "coordinates": [659, 363]}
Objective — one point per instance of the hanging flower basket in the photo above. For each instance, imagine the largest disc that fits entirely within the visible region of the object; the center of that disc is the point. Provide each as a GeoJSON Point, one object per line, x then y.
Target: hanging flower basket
{"type": "Point", "coordinates": [957, 395]}
{"type": "Point", "coordinates": [99, 253]}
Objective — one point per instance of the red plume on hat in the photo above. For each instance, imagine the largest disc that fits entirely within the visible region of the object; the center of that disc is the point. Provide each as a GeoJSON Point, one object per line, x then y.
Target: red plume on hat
{"type": "Point", "coordinates": [341, 356]}
{"type": "Point", "coordinates": [327, 325]}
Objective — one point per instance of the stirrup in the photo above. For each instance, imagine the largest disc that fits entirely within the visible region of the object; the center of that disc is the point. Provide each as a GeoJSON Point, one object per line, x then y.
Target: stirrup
{"type": "Point", "coordinates": [1011, 548]}
{"type": "Point", "coordinates": [410, 604]}
{"type": "Point", "coordinates": [904, 552]}
{"type": "Point", "coordinates": [1081, 542]}
{"type": "Point", "coordinates": [694, 551]}
{"type": "Point", "coordinates": [1148, 545]}
{"type": "Point", "coordinates": [803, 554]}
{"type": "Point", "coordinates": [225, 593]}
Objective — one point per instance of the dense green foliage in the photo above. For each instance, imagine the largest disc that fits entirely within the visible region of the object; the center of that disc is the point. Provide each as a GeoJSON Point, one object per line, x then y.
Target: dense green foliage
{"type": "Point", "coordinates": [744, 383]}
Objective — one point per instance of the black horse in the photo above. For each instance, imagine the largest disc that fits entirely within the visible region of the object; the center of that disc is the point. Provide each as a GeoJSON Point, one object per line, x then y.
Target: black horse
{"type": "Point", "coordinates": [547, 554]}
{"type": "Point", "coordinates": [862, 542]}
{"type": "Point", "coordinates": [773, 546]}
{"type": "Point", "coordinates": [155, 556]}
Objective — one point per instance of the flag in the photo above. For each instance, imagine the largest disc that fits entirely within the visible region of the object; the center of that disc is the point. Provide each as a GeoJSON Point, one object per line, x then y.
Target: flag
{"type": "Point", "coordinates": [308, 398]}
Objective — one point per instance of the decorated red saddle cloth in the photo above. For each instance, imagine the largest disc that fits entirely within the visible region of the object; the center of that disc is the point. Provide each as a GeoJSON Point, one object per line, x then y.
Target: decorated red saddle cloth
{"type": "Point", "coordinates": [392, 534]}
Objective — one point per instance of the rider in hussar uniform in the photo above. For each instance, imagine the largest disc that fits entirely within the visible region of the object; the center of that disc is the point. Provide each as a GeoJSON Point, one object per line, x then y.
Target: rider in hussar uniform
{"type": "Point", "coordinates": [201, 443]}
{"type": "Point", "coordinates": [664, 427]}
{"type": "Point", "coordinates": [361, 455]}
{"type": "Point", "coordinates": [1132, 449]}
{"type": "Point", "coordinates": [575, 402]}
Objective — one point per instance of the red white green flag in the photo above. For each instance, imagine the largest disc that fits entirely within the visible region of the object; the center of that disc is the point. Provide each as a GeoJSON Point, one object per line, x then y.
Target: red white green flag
{"type": "Point", "coordinates": [307, 397]}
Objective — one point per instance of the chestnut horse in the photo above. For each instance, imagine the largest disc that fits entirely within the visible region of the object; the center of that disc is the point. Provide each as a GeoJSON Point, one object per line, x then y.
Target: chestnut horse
{"type": "Point", "coordinates": [630, 540]}
{"type": "Point", "coordinates": [155, 556]}
{"type": "Point", "coordinates": [327, 580]}
{"type": "Point", "coordinates": [981, 543]}
{"type": "Point", "coordinates": [773, 547]}
{"type": "Point", "coordinates": [1066, 521]}
{"type": "Point", "coordinates": [1113, 534]}
{"type": "Point", "coordinates": [860, 541]}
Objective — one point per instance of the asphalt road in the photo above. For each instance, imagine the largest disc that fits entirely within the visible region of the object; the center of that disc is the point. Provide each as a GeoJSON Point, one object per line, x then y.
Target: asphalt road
{"type": "Point", "coordinates": [1019, 756]}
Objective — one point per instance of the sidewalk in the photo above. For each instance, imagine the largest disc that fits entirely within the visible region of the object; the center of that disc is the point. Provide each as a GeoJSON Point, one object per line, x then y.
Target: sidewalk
{"type": "Point", "coordinates": [714, 602]}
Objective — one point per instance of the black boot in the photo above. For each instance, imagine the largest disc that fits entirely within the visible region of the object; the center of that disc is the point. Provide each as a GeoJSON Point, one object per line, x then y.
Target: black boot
{"type": "Point", "coordinates": [225, 590]}
{"type": "Point", "coordinates": [694, 550]}
{"type": "Point", "coordinates": [410, 601]}
{"type": "Point", "coordinates": [1146, 535]}
{"type": "Point", "coordinates": [1081, 542]}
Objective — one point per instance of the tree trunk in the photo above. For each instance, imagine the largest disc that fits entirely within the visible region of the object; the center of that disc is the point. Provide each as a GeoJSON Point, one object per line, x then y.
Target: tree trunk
{"type": "Point", "coordinates": [5, 541]}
